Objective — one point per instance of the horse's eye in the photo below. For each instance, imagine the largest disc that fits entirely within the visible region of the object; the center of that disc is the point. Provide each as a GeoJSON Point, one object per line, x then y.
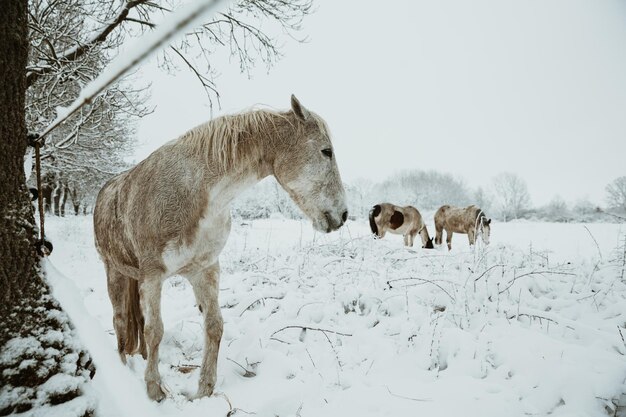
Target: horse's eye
{"type": "Point", "coordinates": [328, 152]}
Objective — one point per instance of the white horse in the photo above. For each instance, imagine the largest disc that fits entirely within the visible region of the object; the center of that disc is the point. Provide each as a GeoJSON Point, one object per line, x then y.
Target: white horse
{"type": "Point", "coordinates": [470, 220]}
{"type": "Point", "coordinates": [170, 215]}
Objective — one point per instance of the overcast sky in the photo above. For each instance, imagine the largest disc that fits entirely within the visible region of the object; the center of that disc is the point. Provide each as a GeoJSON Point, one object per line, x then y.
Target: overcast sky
{"type": "Point", "coordinates": [473, 88]}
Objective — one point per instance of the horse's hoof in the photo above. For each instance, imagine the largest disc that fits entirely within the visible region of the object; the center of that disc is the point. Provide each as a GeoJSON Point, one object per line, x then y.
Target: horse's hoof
{"type": "Point", "coordinates": [155, 392]}
{"type": "Point", "coordinates": [203, 392]}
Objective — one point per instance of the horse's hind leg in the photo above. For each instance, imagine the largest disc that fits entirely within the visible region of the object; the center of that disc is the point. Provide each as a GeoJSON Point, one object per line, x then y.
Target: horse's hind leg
{"type": "Point", "coordinates": [150, 298]}
{"type": "Point", "coordinates": [206, 288]}
{"type": "Point", "coordinates": [117, 287]}
{"type": "Point", "coordinates": [438, 234]}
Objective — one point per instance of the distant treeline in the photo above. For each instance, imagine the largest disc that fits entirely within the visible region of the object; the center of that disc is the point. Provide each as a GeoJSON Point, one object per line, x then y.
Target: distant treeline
{"type": "Point", "coordinates": [505, 199]}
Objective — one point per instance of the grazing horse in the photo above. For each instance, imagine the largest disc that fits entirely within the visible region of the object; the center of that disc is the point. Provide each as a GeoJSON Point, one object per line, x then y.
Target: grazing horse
{"type": "Point", "coordinates": [469, 220]}
{"type": "Point", "coordinates": [170, 215]}
{"type": "Point", "coordinates": [398, 220]}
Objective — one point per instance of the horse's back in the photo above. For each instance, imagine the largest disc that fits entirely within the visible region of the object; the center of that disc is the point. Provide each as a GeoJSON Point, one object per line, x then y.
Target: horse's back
{"type": "Point", "coordinates": [473, 211]}
{"type": "Point", "coordinates": [451, 218]}
{"type": "Point", "coordinates": [414, 216]}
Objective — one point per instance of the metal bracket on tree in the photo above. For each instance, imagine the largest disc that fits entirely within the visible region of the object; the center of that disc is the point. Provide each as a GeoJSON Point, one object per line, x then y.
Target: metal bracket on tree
{"type": "Point", "coordinates": [43, 246]}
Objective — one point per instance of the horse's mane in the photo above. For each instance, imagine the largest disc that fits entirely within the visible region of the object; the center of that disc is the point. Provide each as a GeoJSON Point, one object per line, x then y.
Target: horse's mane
{"type": "Point", "coordinates": [223, 138]}
{"type": "Point", "coordinates": [475, 210]}
{"type": "Point", "coordinates": [479, 214]}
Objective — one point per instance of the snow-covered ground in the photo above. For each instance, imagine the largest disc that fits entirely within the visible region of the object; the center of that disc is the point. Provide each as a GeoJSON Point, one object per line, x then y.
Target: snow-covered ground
{"type": "Point", "coordinates": [345, 325]}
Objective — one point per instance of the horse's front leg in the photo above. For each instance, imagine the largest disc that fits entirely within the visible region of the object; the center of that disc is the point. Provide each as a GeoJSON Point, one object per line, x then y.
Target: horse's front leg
{"type": "Point", "coordinates": [471, 236]}
{"type": "Point", "coordinates": [412, 238]}
{"type": "Point", "coordinates": [449, 239]}
{"type": "Point", "coordinates": [206, 288]}
{"type": "Point", "coordinates": [150, 299]}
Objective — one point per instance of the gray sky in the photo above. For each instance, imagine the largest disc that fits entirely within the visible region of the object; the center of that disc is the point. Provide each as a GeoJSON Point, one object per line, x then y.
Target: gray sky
{"type": "Point", "coordinates": [472, 88]}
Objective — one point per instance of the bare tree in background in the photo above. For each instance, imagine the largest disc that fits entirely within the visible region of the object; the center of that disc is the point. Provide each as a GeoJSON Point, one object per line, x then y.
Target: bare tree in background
{"type": "Point", "coordinates": [585, 210]}
{"type": "Point", "coordinates": [359, 193]}
{"type": "Point", "coordinates": [616, 194]}
{"type": "Point", "coordinates": [482, 200]}
{"type": "Point", "coordinates": [423, 189]}
{"type": "Point", "coordinates": [556, 210]}
{"type": "Point", "coordinates": [511, 194]}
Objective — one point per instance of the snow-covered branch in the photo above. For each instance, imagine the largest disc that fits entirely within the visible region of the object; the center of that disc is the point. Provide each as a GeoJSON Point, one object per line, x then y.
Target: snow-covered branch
{"type": "Point", "coordinates": [144, 47]}
{"type": "Point", "coordinates": [80, 48]}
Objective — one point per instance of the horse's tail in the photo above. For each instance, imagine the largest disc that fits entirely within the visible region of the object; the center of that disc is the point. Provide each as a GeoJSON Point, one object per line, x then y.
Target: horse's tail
{"type": "Point", "coordinates": [375, 211]}
{"type": "Point", "coordinates": [134, 339]}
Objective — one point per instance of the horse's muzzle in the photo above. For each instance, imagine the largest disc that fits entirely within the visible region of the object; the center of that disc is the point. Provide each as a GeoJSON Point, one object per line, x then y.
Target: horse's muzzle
{"type": "Point", "coordinates": [333, 223]}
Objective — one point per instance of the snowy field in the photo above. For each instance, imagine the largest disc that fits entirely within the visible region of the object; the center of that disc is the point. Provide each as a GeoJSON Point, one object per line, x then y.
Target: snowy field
{"type": "Point", "coordinates": [345, 325]}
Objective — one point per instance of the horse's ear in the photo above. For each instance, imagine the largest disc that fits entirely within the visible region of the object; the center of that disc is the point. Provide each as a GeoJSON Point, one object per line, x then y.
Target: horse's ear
{"type": "Point", "coordinates": [299, 109]}
{"type": "Point", "coordinates": [488, 221]}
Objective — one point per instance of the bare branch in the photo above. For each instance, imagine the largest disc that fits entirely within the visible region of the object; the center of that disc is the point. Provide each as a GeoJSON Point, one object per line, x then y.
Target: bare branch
{"type": "Point", "coordinates": [142, 22]}
{"type": "Point", "coordinates": [81, 49]}
{"type": "Point", "coordinates": [423, 281]}
{"type": "Point", "coordinates": [206, 83]}
{"type": "Point", "coordinates": [551, 272]}
{"type": "Point", "coordinates": [310, 328]}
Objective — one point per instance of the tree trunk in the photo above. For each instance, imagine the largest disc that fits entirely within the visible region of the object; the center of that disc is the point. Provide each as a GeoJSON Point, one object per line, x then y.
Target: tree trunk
{"type": "Point", "coordinates": [65, 191]}
{"type": "Point", "coordinates": [37, 340]}
{"type": "Point", "coordinates": [75, 201]}
{"type": "Point", "coordinates": [56, 197]}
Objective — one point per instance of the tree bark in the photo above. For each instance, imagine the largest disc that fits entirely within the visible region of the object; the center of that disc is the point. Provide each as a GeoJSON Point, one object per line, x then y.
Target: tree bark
{"type": "Point", "coordinates": [37, 341]}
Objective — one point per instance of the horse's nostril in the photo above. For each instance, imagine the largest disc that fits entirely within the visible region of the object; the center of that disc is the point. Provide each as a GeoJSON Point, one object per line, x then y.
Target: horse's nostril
{"type": "Point", "coordinates": [344, 216]}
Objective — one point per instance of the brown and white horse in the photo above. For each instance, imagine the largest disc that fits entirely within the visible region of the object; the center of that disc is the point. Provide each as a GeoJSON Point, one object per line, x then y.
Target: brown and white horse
{"type": "Point", "coordinates": [398, 220]}
{"type": "Point", "coordinates": [469, 220]}
{"type": "Point", "coordinates": [170, 215]}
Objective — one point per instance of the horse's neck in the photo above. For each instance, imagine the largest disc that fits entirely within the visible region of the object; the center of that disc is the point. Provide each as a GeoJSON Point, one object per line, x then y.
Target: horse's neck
{"type": "Point", "coordinates": [250, 161]}
{"type": "Point", "coordinates": [424, 234]}
{"type": "Point", "coordinates": [229, 183]}
{"type": "Point", "coordinates": [227, 187]}
{"type": "Point", "coordinates": [252, 165]}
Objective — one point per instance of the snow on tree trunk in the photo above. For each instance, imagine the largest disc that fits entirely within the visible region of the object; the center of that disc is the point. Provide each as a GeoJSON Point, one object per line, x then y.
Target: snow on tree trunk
{"type": "Point", "coordinates": [42, 364]}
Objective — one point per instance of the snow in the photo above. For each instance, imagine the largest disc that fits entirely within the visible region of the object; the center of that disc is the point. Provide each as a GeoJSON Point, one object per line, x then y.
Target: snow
{"type": "Point", "coordinates": [44, 361]}
{"type": "Point", "coordinates": [345, 325]}
{"type": "Point", "coordinates": [78, 406]}
{"type": "Point", "coordinates": [28, 163]}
